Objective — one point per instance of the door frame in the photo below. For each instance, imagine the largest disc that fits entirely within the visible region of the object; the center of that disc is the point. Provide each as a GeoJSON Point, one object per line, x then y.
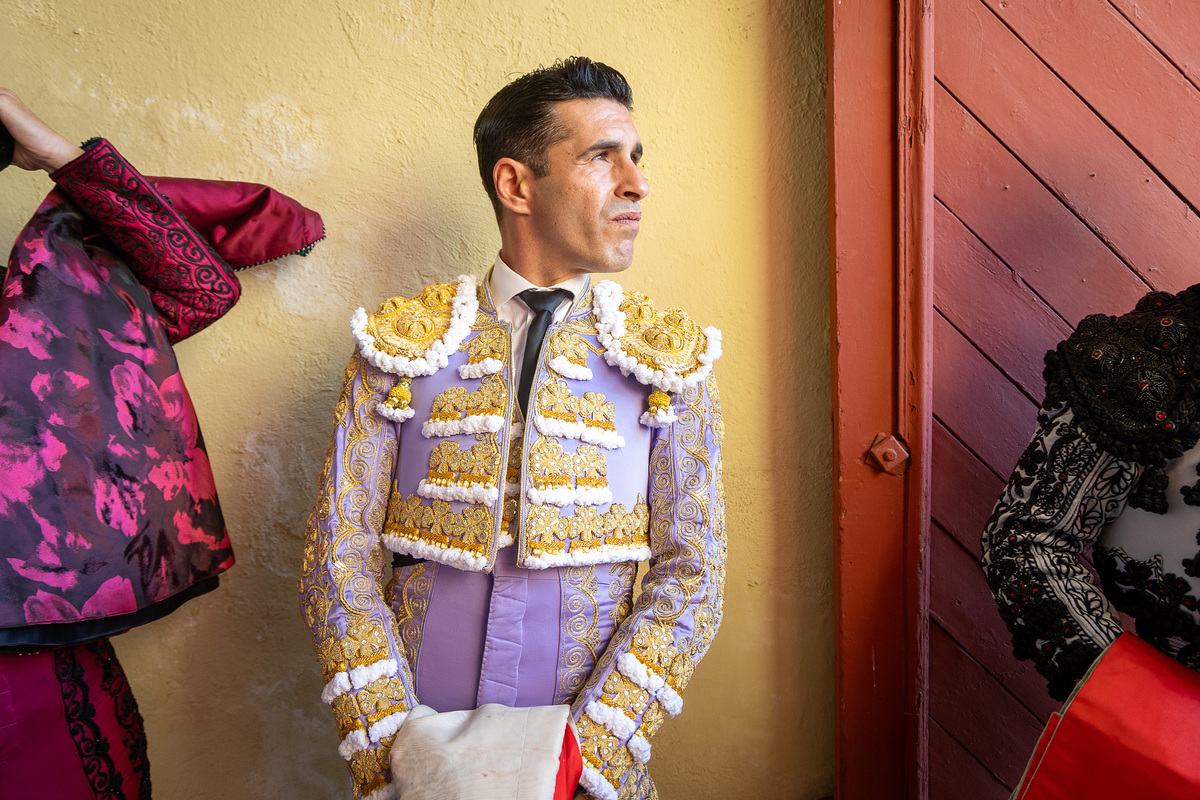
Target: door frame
{"type": "Point", "coordinates": [879, 104]}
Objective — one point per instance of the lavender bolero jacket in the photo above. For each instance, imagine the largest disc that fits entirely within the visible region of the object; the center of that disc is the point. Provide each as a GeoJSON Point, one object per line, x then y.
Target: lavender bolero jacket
{"type": "Point", "coordinates": [620, 462]}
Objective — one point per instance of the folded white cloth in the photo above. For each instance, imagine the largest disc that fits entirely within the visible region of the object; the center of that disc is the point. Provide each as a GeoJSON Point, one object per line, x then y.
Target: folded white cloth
{"type": "Point", "coordinates": [489, 753]}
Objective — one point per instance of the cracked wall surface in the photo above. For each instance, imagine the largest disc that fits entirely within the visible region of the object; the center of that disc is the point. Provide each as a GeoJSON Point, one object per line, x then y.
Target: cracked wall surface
{"type": "Point", "coordinates": [363, 110]}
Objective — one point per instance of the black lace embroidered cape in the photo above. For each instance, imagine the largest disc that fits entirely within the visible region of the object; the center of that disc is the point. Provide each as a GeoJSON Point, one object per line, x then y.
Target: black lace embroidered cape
{"type": "Point", "coordinates": [1132, 383]}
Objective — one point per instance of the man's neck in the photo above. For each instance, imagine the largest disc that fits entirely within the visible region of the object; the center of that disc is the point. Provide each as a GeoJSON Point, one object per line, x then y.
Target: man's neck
{"type": "Point", "coordinates": [536, 270]}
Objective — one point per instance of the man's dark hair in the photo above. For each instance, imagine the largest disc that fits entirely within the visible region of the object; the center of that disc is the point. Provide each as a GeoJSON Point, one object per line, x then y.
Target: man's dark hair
{"type": "Point", "coordinates": [519, 121]}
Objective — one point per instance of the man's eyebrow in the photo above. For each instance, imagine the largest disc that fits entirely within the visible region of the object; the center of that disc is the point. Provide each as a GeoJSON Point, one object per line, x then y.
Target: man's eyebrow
{"type": "Point", "coordinates": [610, 144]}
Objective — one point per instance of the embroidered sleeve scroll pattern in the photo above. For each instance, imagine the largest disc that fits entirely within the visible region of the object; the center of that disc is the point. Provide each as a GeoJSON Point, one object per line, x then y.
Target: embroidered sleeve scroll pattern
{"type": "Point", "coordinates": [190, 285]}
{"type": "Point", "coordinates": [637, 681]}
{"type": "Point", "coordinates": [368, 683]}
{"type": "Point", "coordinates": [1062, 493]}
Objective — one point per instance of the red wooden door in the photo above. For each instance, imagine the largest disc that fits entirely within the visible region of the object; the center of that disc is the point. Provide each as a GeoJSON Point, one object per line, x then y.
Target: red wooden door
{"type": "Point", "coordinates": [1066, 182]}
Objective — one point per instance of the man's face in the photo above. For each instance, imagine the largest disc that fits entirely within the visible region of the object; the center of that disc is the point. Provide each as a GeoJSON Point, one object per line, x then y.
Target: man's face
{"type": "Point", "coordinates": [585, 210]}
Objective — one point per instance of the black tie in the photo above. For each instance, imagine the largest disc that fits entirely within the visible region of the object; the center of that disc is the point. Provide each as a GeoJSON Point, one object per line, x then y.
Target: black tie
{"type": "Point", "coordinates": [542, 303]}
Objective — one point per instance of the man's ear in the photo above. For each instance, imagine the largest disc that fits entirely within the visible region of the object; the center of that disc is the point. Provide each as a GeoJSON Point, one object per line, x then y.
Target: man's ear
{"type": "Point", "coordinates": [514, 185]}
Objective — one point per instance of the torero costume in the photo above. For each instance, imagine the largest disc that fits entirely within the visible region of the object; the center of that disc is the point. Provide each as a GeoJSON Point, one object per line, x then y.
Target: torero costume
{"type": "Point", "coordinates": [512, 544]}
{"type": "Point", "coordinates": [109, 516]}
{"type": "Point", "coordinates": [1112, 467]}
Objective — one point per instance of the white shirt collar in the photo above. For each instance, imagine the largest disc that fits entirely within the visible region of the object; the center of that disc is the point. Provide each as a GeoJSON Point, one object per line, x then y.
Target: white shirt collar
{"type": "Point", "coordinates": [505, 284]}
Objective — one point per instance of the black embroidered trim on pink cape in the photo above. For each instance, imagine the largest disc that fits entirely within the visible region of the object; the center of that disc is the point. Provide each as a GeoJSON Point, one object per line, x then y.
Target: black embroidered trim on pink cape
{"type": "Point", "coordinates": [1132, 384]}
{"type": "Point", "coordinates": [89, 740]}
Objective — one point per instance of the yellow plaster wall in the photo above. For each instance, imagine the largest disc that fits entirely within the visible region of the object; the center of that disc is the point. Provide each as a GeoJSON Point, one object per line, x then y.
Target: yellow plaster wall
{"type": "Point", "coordinates": [363, 109]}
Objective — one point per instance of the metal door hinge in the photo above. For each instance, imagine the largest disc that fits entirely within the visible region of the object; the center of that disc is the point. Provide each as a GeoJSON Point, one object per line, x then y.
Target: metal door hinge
{"type": "Point", "coordinates": [888, 454]}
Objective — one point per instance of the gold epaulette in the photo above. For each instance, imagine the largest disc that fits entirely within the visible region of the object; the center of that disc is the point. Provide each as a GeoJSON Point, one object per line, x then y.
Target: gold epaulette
{"type": "Point", "coordinates": [406, 327]}
{"type": "Point", "coordinates": [664, 348]}
{"type": "Point", "coordinates": [416, 336]}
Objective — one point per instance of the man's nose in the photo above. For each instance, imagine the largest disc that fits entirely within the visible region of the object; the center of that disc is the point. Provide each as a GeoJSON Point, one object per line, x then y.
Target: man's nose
{"type": "Point", "coordinates": [634, 187]}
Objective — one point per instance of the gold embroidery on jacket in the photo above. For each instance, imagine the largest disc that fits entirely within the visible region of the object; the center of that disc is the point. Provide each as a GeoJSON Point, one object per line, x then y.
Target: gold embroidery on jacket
{"type": "Point", "coordinates": [438, 525]}
{"type": "Point", "coordinates": [479, 466]}
{"type": "Point", "coordinates": [661, 339]}
{"type": "Point", "coordinates": [453, 403]}
{"type": "Point", "coordinates": [551, 468]}
{"type": "Point", "coordinates": [600, 748]}
{"type": "Point", "coordinates": [490, 343]}
{"type": "Point", "coordinates": [370, 768]}
{"type": "Point", "coordinates": [653, 718]}
{"type": "Point", "coordinates": [654, 645]}
{"type": "Point", "coordinates": [555, 401]}
{"type": "Point", "coordinates": [569, 345]}
{"type": "Point", "coordinates": [625, 695]}
{"type": "Point", "coordinates": [581, 635]}
{"type": "Point", "coordinates": [710, 493]}
{"type": "Point", "coordinates": [411, 603]}
{"type": "Point", "coordinates": [365, 642]}
{"type": "Point", "coordinates": [346, 713]}
{"type": "Point", "coordinates": [337, 566]}
{"type": "Point", "coordinates": [408, 327]}
{"type": "Point", "coordinates": [620, 591]}
{"type": "Point", "coordinates": [637, 785]}
{"type": "Point", "coordinates": [381, 698]}
{"type": "Point", "coordinates": [587, 529]}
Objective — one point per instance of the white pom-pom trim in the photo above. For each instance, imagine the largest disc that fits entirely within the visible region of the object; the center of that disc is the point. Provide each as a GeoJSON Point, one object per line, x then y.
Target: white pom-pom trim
{"type": "Point", "coordinates": [609, 440]}
{"type": "Point", "coordinates": [610, 327]}
{"type": "Point", "coordinates": [633, 668]}
{"type": "Point", "coordinates": [565, 496]}
{"type": "Point", "coordinates": [569, 369]}
{"type": "Point", "coordinates": [450, 556]}
{"type": "Point", "coordinates": [474, 423]}
{"type": "Point", "coordinates": [597, 784]}
{"type": "Point", "coordinates": [353, 743]}
{"type": "Point", "coordinates": [557, 496]}
{"type": "Point", "coordinates": [659, 418]}
{"type": "Point", "coordinates": [505, 540]}
{"type": "Point", "coordinates": [361, 676]}
{"type": "Point", "coordinates": [476, 495]}
{"type": "Point", "coordinates": [463, 311]}
{"type": "Point", "coordinates": [489, 366]}
{"type": "Point", "coordinates": [614, 719]}
{"type": "Point", "coordinates": [599, 555]}
{"type": "Point", "coordinates": [385, 792]}
{"type": "Point", "coordinates": [338, 685]}
{"type": "Point", "coordinates": [394, 414]}
{"type": "Point", "coordinates": [593, 496]}
{"type": "Point", "coordinates": [549, 426]}
{"type": "Point", "coordinates": [639, 748]}
{"type": "Point", "coordinates": [388, 725]}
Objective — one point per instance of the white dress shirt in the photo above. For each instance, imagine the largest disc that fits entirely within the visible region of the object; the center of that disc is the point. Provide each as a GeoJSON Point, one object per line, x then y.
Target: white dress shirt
{"type": "Point", "coordinates": [505, 285]}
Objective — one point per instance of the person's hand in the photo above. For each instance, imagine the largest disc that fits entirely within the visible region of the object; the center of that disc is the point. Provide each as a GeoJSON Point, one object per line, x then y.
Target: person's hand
{"type": "Point", "coordinates": [38, 146]}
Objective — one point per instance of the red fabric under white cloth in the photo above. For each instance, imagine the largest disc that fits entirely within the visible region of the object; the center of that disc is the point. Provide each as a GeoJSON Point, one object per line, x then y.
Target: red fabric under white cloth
{"type": "Point", "coordinates": [489, 752]}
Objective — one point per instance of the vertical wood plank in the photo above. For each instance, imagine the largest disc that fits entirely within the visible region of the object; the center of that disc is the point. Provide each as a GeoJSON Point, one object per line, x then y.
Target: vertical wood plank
{"type": "Point", "coordinates": [955, 774]}
{"type": "Point", "coordinates": [975, 401]}
{"type": "Point", "coordinates": [1059, 138]}
{"type": "Point", "coordinates": [983, 299]}
{"type": "Point", "coordinates": [964, 489]}
{"type": "Point", "coordinates": [1171, 26]}
{"type": "Point", "coordinates": [1095, 51]}
{"type": "Point", "coordinates": [962, 604]}
{"type": "Point", "coordinates": [1006, 206]}
{"type": "Point", "coordinates": [979, 712]}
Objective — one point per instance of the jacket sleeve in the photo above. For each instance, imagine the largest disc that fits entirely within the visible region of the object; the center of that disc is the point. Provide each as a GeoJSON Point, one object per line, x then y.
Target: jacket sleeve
{"type": "Point", "coordinates": [636, 683]}
{"type": "Point", "coordinates": [1062, 493]}
{"type": "Point", "coordinates": [368, 682]}
{"type": "Point", "coordinates": [189, 283]}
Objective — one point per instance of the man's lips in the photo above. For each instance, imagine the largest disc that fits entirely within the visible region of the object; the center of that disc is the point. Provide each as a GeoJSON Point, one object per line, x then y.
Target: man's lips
{"type": "Point", "coordinates": [631, 219]}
